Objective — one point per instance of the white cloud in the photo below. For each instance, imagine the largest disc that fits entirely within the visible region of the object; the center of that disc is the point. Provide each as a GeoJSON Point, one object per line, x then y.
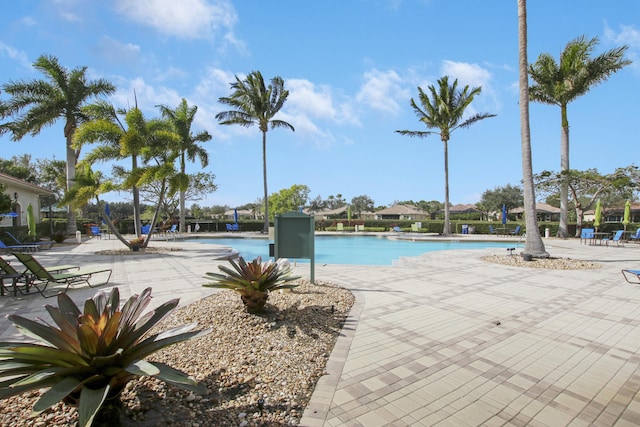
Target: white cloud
{"type": "Point", "coordinates": [472, 75]}
{"type": "Point", "coordinates": [185, 18]}
{"type": "Point", "coordinates": [382, 90]}
{"type": "Point", "coordinates": [147, 96]}
{"type": "Point", "coordinates": [628, 35]}
{"type": "Point", "coordinates": [15, 55]}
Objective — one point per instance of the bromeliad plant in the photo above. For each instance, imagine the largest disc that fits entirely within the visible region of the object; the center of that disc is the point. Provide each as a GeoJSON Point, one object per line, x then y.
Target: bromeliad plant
{"type": "Point", "coordinates": [91, 355]}
{"type": "Point", "coordinates": [254, 280]}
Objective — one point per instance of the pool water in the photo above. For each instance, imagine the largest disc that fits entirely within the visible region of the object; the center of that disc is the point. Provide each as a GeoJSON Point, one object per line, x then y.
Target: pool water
{"type": "Point", "coordinates": [360, 250]}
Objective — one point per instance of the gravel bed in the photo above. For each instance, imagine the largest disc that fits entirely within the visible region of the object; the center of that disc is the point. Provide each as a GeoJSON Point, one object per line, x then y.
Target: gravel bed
{"type": "Point", "coordinates": [260, 370]}
{"type": "Point", "coordinates": [550, 263]}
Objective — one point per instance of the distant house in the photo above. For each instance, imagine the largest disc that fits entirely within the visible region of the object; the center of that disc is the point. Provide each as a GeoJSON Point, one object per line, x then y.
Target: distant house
{"type": "Point", "coordinates": [242, 214]}
{"type": "Point", "coordinates": [340, 212]}
{"type": "Point", "coordinates": [615, 214]}
{"type": "Point", "coordinates": [544, 212]}
{"type": "Point", "coordinates": [22, 193]}
{"type": "Point", "coordinates": [401, 212]}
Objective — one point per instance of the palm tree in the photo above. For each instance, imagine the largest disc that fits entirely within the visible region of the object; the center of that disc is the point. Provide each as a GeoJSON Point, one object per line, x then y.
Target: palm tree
{"type": "Point", "coordinates": [148, 143]}
{"type": "Point", "coordinates": [254, 103]}
{"type": "Point", "coordinates": [182, 118]}
{"type": "Point", "coordinates": [559, 83]}
{"type": "Point", "coordinates": [40, 103]}
{"type": "Point", "coordinates": [444, 111]}
{"type": "Point", "coordinates": [533, 244]}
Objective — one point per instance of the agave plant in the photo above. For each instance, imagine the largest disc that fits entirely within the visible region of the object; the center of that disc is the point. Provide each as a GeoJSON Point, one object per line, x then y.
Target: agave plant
{"type": "Point", "coordinates": [254, 280]}
{"type": "Point", "coordinates": [91, 355]}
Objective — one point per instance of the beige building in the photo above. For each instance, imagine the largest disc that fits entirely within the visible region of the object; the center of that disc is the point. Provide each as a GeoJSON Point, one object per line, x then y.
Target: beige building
{"type": "Point", "coordinates": [22, 193]}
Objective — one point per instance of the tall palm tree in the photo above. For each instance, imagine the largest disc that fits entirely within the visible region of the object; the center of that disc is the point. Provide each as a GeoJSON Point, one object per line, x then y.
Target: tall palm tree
{"type": "Point", "coordinates": [444, 111]}
{"type": "Point", "coordinates": [182, 118]}
{"type": "Point", "coordinates": [559, 83]}
{"type": "Point", "coordinates": [40, 103]}
{"type": "Point", "coordinates": [533, 244]}
{"type": "Point", "coordinates": [256, 104]}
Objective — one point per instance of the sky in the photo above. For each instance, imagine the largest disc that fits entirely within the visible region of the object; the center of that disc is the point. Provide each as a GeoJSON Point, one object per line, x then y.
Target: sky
{"type": "Point", "coordinates": [352, 68]}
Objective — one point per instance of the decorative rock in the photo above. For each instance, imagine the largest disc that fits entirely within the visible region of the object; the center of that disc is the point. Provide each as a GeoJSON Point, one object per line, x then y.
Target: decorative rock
{"type": "Point", "coordinates": [246, 361]}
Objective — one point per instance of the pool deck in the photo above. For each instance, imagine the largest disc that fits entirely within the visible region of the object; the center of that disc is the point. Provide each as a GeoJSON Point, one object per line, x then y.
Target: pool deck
{"type": "Point", "coordinates": [440, 339]}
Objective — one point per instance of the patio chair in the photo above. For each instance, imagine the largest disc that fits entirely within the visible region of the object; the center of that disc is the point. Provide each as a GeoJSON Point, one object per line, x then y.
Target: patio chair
{"type": "Point", "coordinates": [616, 238]}
{"type": "Point", "coordinates": [94, 231]}
{"type": "Point", "coordinates": [18, 248]}
{"type": "Point", "coordinates": [9, 272]}
{"type": "Point", "coordinates": [630, 273]}
{"type": "Point", "coordinates": [40, 277]}
{"type": "Point", "coordinates": [41, 244]}
{"type": "Point", "coordinates": [586, 234]}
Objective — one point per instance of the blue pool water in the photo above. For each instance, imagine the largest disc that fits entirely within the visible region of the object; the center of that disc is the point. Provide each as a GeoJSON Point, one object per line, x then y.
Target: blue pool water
{"type": "Point", "coordinates": [361, 250]}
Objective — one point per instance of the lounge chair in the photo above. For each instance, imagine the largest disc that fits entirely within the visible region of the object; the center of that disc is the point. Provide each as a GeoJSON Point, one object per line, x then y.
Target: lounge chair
{"type": "Point", "coordinates": [174, 230]}
{"type": "Point", "coordinates": [516, 232]}
{"type": "Point", "coordinates": [339, 226]}
{"type": "Point", "coordinates": [40, 277]}
{"type": "Point", "coordinates": [635, 237]}
{"type": "Point", "coordinates": [145, 229]}
{"type": "Point", "coordinates": [18, 248]}
{"type": "Point", "coordinates": [616, 238]}
{"type": "Point", "coordinates": [397, 229]}
{"type": "Point", "coordinates": [8, 272]}
{"type": "Point", "coordinates": [40, 243]}
{"type": "Point", "coordinates": [631, 273]}
{"type": "Point", "coordinates": [492, 230]}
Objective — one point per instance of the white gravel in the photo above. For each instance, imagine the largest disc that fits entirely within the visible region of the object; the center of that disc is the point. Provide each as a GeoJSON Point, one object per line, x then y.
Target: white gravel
{"type": "Point", "coordinates": [260, 370]}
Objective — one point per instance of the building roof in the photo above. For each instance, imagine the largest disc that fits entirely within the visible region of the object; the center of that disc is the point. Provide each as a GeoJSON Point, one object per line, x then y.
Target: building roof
{"type": "Point", "coordinates": [540, 208]}
{"type": "Point", "coordinates": [462, 208]}
{"type": "Point", "coordinates": [24, 185]}
{"type": "Point", "coordinates": [400, 210]}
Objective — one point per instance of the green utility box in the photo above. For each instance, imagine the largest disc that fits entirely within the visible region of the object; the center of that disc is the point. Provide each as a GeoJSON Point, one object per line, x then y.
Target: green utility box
{"type": "Point", "coordinates": [294, 237]}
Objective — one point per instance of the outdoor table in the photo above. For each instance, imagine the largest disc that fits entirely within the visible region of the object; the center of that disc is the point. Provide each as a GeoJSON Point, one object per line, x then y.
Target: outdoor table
{"type": "Point", "coordinates": [503, 231]}
{"type": "Point", "coordinates": [598, 236]}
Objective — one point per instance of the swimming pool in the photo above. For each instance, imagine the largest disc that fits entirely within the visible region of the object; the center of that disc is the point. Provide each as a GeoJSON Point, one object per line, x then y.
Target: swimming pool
{"type": "Point", "coordinates": [360, 250]}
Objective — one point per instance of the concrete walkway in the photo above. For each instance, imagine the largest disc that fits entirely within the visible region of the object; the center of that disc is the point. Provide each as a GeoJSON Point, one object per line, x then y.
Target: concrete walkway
{"type": "Point", "coordinates": [441, 339]}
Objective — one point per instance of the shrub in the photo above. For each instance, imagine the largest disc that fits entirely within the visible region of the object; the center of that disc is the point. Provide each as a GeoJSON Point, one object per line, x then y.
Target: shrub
{"type": "Point", "coordinates": [59, 236]}
{"type": "Point", "coordinates": [253, 281]}
{"type": "Point", "coordinates": [92, 355]}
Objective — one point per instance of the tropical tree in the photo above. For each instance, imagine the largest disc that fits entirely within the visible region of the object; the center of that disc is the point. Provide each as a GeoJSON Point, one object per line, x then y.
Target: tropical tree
{"type": "Point", "coordinates": [201, 184]}
{"type": "Point", "coordinates": [559, 83]}
{"type": "Point", "coordinates": [254, 103]}
{"type": "Point", "coordinates": [533, 244]}
{"type": "Point", "coordinates": [148, 143]}
{"type": "Point", "coordinates": [40, 103]}
{"type": "Point", "coordinates": [444, 111]}
{"type": "Point", "coordinates": [361, 204]}
{"type": "Point", "coordinates": [586, 187]}
{"type": "Point", "coordinates": [510, 195]}
{"type": "Point", "coordinates": [289, 199]}
{"type": "Point", "coordinates": [188, 149]}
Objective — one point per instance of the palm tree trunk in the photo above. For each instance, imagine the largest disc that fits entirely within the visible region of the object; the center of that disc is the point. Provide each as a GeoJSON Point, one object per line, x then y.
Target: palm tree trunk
{"type": "Point", "coordinates": [264, 177]}
{"type": "Point", "coordinates": [72, 227]}
{"type": "Point", "coordinates": [136, 200]}
{"type": "Point", "coordinates": [183, 223]}
{"type": "Point", "coordinates": [446, 231]}
{"type": "Point", "coordinates": [533, 244]}
{"type": "Point", "coordinates": [563, 229]}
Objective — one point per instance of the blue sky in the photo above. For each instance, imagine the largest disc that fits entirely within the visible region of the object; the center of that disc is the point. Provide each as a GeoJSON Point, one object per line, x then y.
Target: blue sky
{"type": "Point", "coordinates": [351, 68]}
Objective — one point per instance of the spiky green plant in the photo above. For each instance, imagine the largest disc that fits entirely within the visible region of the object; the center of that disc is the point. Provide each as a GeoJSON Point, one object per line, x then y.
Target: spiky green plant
{"type": "Point", "coordinates": [91, 355]}
{"type": "Point", "coordinates": [254, 280]}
